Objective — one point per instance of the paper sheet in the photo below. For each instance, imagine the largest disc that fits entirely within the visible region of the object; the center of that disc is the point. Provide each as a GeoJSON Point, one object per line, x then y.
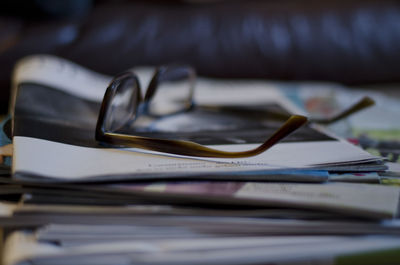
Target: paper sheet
{"type": "Point", "coordinates": [56, 160]}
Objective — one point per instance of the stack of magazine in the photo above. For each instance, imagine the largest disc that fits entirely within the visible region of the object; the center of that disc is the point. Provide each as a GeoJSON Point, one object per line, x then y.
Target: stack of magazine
{"type": "Point", "coordinates": [313, 198]}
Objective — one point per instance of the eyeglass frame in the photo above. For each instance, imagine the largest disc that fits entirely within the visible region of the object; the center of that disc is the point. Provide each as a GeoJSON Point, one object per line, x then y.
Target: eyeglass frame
{"type": "Point", "coordinates": [187, 148]}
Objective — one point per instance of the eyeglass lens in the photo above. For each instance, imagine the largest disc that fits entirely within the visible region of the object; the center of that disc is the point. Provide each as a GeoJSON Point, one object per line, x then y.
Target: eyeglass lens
{"type": "Point", "coordinates": [123, 107]}
{"type": "Point", "coordinates": [173, 91]}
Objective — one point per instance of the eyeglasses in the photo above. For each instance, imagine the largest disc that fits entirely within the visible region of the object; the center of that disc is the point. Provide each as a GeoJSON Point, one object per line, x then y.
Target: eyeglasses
{"type": "Point", "coordinates": [169, 92]}
{"type": "Point", "coordinates": [171, 87]}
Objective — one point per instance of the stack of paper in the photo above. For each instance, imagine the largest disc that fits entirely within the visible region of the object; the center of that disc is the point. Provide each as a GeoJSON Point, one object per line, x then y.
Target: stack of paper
{"type": "Point", "coordinates": [313, 198]}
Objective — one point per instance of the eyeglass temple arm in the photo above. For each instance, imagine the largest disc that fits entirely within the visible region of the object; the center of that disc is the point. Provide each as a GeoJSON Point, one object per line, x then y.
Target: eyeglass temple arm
{"type": "Point", "coordinates": [187, 148]}
{"type": "Point", "coordinates": [364, 103]}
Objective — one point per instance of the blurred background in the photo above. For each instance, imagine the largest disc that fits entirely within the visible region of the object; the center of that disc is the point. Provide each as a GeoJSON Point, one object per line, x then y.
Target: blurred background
{"type": "Point", "coordinates": [353, 42]}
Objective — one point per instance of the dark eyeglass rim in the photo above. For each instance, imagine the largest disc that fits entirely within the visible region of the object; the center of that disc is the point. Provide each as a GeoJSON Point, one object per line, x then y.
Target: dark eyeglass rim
{"type": "Point", "coordinates": [150, 91]}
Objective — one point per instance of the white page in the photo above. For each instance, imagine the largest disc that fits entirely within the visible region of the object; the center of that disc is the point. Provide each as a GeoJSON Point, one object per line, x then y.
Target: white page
{"type": "Point", "coordinates": [376, 200]}
{"type": "Point", "coordinates": [63, 161]}
{"type": "Point", "coordinates": [289, 250]}
{"type": "Point", "coordinates": [23, 245]}
{"type": "Point", "coordinates": [76, 80]}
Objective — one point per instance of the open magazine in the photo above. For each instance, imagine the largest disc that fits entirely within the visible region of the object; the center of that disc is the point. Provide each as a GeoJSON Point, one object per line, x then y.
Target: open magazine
{"type": "Point", "coordinates": [55, 106]}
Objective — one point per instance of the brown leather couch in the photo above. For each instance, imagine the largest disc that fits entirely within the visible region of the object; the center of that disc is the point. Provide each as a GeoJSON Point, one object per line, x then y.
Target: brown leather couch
{"type": "Point", "coordinates": [353, 41]}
